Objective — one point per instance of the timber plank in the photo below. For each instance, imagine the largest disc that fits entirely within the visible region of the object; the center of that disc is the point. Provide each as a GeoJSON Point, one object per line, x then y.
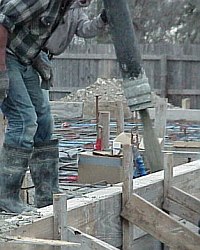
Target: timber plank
{"type": "Point", "coordinates": [181, 211]}
{"type": "Point", "coordinates": [184, 199]}
{"type": "Point", "coordinates": [87, 241]}
{"type": "Point", "coordinates": [186, 144]}
{"type": "Point", "coordinates": [159, 224]}
{"type": "Point", "coordinates": [41, 242]}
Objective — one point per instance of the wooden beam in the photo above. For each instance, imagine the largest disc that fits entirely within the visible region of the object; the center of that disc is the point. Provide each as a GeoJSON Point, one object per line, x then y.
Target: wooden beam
{"type": "Point", "coordinates": [179, 114]}
{"type": "Point", "coordinates": [186, 92]}
{"type": "Point", "coordinates": [92, 56]}
{"type": "Point", "coordinates": [112, 56]}
{"type": "Point", "coordinates": [159, 224]}
{"type": "Point", "coordinates": [87, 241]}
{"type": "Point", "coordinates": [186, 58]}
{"type": "Point", "coordinates": [184, 199]}
{"type": "Point", "coordinates": [181, 211]}
{"type": "Point", "coordinates": [67, 109]}
{"type": "Point", "coordinates": [41, 242]}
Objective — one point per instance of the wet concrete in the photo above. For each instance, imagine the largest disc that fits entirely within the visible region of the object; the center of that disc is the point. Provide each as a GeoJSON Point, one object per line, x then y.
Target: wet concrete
{"type": "Point", "coordinates": [9, 222]}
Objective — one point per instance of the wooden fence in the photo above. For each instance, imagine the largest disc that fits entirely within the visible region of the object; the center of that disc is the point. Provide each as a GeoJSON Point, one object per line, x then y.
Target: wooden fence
{"type": "Point", "coordinates": [173, 70]}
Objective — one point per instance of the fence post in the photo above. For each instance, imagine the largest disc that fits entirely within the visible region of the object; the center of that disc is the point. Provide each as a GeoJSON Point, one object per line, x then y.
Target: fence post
{"type": "Point", "coordinates": [163, 76]}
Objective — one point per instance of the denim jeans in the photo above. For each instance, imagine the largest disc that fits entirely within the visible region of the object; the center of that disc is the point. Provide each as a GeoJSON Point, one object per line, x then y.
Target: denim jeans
{"type": "Point", "coordinates": [26, 107]}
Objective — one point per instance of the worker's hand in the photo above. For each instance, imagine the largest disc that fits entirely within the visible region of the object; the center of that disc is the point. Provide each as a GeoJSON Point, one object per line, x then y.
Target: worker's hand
{"type": "Point", "coordinates": [4, 85]}
{"type": "Point", "coordinates": [46, 84]}
{"type": "Point", "coordinates": [44, 67]}
{"type": "Point", "coordinates": [103, 16]}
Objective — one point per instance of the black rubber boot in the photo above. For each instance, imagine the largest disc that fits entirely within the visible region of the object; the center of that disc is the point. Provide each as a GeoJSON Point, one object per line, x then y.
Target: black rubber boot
{"type": "Point", "coordinates": [13, 166]}
{"type": "Point", "coordinates": [44, 172]}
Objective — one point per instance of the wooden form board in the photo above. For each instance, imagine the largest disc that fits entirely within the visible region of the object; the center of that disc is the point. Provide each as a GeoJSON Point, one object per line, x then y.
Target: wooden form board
{"type": "Point", "coordinates": [67, 109]}
{"type": "Point", "coordinates": [98, 213]}
{"type": "Point", "coordinates": [186, 144]}
{"type": "Point", "coordinates": [81, 241]}
{"type": "Point", "coordinates": [159, 224]}
{"type": "Point", "coordinates": [177, 114]}
{"type": "Point", "coordinates": [40, 242]}
{"type": "Point", "coordinates": [88, 242]}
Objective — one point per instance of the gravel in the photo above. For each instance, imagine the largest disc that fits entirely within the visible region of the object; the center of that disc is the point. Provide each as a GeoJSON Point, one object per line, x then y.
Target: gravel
{"type": "Point", "coordinates": [105, 89]}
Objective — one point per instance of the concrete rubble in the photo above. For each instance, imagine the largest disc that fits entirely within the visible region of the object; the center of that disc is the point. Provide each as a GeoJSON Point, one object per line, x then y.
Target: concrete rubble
{"type": "Point", "coordinates": [106, 89]}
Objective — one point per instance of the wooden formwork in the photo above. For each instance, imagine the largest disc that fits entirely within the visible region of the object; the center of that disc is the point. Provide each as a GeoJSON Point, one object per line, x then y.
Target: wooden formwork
{"type": "Point", "coordinates": [103, 220]}
{"type": "Point", "coordinates": [158, 221]}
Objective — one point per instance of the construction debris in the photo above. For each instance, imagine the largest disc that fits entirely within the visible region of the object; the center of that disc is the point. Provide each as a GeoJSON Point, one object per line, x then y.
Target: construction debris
{"type": "Point", "coordinates": [9, 221]}
{"type": "Point", "coordinates": [106, 89]}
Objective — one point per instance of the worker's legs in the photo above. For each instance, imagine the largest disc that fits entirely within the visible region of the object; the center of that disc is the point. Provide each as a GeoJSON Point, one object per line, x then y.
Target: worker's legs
{"type": "Point", "coordinates": [13, 165]}
{"type": "Point", "coordinates": [27, 107]}
{"type": "Point", "coordinates": [44, 162]}
{"type": "Point", "coordinates": [23, 118]}
{"type": "Point", "coordinates": [44, 172]}
{"type": "Point", "coordinates": [18, 107]}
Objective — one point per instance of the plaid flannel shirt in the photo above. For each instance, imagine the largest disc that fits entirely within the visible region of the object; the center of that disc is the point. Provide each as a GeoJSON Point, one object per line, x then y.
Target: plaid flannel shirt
{"type": "Point", "coordinates": [30, 23]}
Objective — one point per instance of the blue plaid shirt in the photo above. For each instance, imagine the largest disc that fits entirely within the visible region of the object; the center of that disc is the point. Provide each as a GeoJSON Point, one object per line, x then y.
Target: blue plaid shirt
{"type": "Point", "coordinates": [30, 23]}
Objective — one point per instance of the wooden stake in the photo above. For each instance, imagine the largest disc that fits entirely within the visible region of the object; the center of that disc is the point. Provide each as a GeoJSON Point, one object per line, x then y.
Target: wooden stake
{"type": "Point", "coordinates": [168, 176]}
{"type": "Point", "coordinates": [104, 121]}
{"type": "Point", "coordinates": [127, 190]}
{"type": "Point", "coordinates": [60, 217]}
{"type": "Point", "coordinates": [168, 173]}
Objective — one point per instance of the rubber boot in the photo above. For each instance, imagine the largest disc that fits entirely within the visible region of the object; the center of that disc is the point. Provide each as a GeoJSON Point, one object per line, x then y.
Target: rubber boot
{"type": "Point", "coordinates": [44, 172]}
{"type": "Point", "coordinates": [13, 166]}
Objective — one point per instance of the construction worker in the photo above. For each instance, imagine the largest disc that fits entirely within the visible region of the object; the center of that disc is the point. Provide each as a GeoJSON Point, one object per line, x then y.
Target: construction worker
{"type": "Point", "coordinates": [25, 30]}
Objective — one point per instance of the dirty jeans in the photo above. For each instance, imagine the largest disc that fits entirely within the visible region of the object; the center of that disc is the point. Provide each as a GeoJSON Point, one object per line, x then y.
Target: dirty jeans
{"type": "Point", "coordinates": [26, 107]}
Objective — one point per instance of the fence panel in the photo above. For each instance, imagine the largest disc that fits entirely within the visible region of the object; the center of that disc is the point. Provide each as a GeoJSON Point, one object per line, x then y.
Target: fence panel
{"type": "Point", "coordinates": [173, 70]}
